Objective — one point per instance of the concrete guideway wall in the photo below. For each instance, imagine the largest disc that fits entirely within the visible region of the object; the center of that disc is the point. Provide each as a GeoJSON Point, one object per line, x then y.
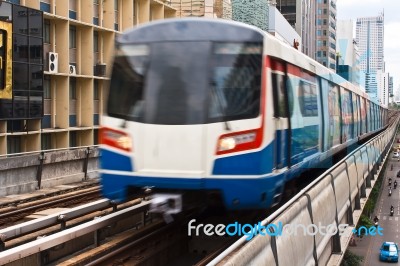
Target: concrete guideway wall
{"type": "Point", "coordinates": [24, 173]}
{"type": "Point", "coordinates": [336, 198]}
{"type": "Point", "coordinates": [299, 249]}
{"type": "Point", "coordinates": [323, 206]}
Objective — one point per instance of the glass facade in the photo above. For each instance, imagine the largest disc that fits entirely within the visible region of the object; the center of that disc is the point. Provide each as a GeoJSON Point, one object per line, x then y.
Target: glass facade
{"type": "Point", "coordinates": [26, 101]}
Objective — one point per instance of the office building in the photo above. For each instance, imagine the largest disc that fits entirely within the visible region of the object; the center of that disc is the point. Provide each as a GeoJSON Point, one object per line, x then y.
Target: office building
{"type": "Point", "coordinates": [390, 89]}
{"type": "Point", "coordinates": [383, 80]}
{"type": "Point", "coordinates": [326, 33]}
{"type": "Point", "coordinates": [301, 15]}
{"type": "Point", "coordinates": [370, 39]}
{"type": "Point", "coordinates": [78, 42]}
{"type": "Point", "coordinates": [348, 56]}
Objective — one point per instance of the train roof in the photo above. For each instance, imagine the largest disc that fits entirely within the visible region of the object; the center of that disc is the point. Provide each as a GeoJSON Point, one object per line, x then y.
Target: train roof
{"type": "Point", "coordinates": [279, 49]}
{"type": "Point", "coordinates": [192, 29]}
{"type": "Point", "coordinates": [216, 29]}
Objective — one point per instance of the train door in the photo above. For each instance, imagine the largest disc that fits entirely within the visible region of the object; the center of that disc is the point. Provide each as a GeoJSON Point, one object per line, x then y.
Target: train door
{"type": "Point", "coordinates": [334, 128]}
{"type": "Point", "coordinates": [363, 116]}
{"type": "Point", "coordinates": [356, 112]}
{"type": "Point", "coordinates": [346, 114]}
{"type": "Point", "coordinates": [369, 118]}
{"type": "Point", "coordinates": [281, 111]}
{"type": "Point", "coordinates": [327, 138]}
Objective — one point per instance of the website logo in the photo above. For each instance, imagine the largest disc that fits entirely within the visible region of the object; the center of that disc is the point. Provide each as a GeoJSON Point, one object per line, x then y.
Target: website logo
{"type": "Point", "coordinates": [249, 230]}
{"type": "Point", "coordinates": [371, 231]}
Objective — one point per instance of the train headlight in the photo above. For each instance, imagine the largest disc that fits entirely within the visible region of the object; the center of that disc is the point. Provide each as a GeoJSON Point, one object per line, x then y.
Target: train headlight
{"type": "Point", "coordinates": [231, 142]}
{"type": "Point", "coordinates": [125, 142]}
{"type": "Point", "coordinates": [115, 138]}
{"type": "Point", "coordinates": [227, 144]}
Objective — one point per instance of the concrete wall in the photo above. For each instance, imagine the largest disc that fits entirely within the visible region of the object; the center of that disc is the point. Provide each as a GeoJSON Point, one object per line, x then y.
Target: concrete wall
{"type": "Point", "coordinates": [22, 174]}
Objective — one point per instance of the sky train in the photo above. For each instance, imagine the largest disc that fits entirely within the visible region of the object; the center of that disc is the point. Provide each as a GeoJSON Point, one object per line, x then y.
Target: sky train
{"type": "Point", "coordinates": [215, 107]}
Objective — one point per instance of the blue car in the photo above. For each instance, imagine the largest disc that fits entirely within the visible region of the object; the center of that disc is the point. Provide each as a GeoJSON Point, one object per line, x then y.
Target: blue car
{"type": "Point", "coordinates": [389, 252]}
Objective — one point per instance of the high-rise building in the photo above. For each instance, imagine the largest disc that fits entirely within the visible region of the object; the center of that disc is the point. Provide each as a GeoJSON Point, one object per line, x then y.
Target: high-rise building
{"type": "Point", "coordinates": [326, 33]}
{"type": "Point", "coordinates": [397, 95]}
{"type": "Point", "coordinates": [347, 52]}
{"type": "Point", "coordinates": [370, 39]}
{"type": "Point", "coordinates": [383, 81]}
{"type": "Point", "coordinates": [67, 73]}
{"type": "Point", "coordinates": [301, 16]}
{"type": "Point", "coordinates": [390, 86]}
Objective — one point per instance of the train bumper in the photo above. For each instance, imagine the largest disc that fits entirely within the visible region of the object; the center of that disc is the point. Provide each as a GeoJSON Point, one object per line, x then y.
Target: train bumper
{"type": "Point", "coordinates": [237, 193]}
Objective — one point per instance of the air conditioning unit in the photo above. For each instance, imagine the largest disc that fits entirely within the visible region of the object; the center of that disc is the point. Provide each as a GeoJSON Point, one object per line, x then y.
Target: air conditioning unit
{"type": "Point", "coordinates": [101, 69]}
{"type": "Point", "coordinates": [72, 69]}
{"type": "Point", "coordinates": [53, 62]}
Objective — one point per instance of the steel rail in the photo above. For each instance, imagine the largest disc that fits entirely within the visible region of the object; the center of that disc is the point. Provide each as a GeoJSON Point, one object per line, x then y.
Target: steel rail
{"type": "Point", "coordinates": [53, 219]}
{"type": "Point", "coordinates": [47, 242]}
{"type": "Point", "coordinates": [46, 204]}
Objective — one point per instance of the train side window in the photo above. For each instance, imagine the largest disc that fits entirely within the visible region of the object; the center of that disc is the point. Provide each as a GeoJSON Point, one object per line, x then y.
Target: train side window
{"type": "Point", "coordinates": [308, 99]}
{"type": "Point", "coordinates": [3, 57]}
{"type": "Point", "coordinates": [278, 87]}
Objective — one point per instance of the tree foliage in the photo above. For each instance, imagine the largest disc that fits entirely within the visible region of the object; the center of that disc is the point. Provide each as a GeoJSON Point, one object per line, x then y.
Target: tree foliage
{"type": "Point", "coordinates": [351, 259]}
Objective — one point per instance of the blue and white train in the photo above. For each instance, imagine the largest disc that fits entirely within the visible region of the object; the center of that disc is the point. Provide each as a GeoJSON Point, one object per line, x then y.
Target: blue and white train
{"type": "Point", "coordinates": [218, 107]}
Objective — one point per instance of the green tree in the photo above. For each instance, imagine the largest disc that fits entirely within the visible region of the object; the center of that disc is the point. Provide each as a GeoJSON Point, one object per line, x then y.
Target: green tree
{"type": "Point", "coordinates": [351, 259]}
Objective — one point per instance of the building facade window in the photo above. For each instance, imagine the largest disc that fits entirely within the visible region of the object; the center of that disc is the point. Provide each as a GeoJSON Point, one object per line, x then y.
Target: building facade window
{"type": "Point", "coordinates": [72, 9]}
{"type": "Point", "coordinates": [116, 15]}
{"type": "Point", "coordinates": [45, 5]}
{"type": "Point", "coordinates": [72, 37]}
{"type": "Point", "coordinates": [72, 88]}
{"type": "Point", "coordinates": [96, 12]}
{"type": "Point", "coordinates": [72, 139]}
{"type": "Point", "coordinates": [96, 137]}
{"type": "Point", "coordinates": [18, 2]}
{"type": "Point", "coordinates": [46, 31]}
{"type": "Point", "coordinates": [96, 95]}
{"type": "Point", "coordinates": [46, 141]}
{"type": "Point", "coordinates": [95, 41]}
{"type": "Point", "coordinates": [13, 144]}
{"type": "Point", "coordinates": [46, 87]}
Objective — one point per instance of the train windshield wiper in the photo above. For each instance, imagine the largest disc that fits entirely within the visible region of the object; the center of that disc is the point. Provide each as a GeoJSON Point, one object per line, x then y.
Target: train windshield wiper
{"type": "Point", "coordinates": [220, 105]}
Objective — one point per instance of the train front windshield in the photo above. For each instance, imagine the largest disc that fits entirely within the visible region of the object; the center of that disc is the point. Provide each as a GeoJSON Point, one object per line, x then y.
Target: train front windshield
{"type": "Point", "coordinates": [182, 83]}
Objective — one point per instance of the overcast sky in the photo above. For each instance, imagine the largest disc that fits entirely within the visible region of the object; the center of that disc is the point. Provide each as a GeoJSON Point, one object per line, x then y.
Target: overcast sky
{"type": "Point", "coordinates": [353, 9]}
